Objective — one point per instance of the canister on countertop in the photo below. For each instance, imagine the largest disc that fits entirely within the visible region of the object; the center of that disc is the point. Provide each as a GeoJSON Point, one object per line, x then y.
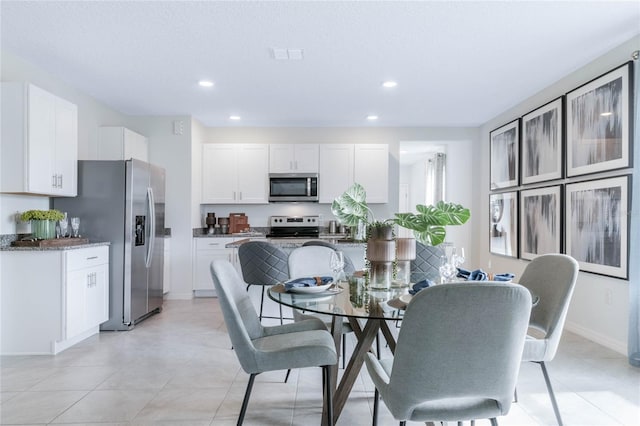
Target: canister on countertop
{"type": "Point", "coordinates": [332, 227]}
{"type": "Point", "coordinates": [343, 229]}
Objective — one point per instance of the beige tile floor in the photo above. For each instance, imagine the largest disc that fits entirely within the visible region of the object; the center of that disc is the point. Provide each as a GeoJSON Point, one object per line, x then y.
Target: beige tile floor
{"type": "Point", "coordinates": [177, 368]}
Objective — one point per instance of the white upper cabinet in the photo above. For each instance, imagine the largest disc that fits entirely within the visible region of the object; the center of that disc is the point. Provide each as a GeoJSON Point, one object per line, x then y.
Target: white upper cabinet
{"type": "Point", "coordinates": [235, 173]}
{"type": "Point", "coordinates": [120, 143]}
{"type": "Point", "coordinates": [371, 170]}
{"type": "Point", "coordinates": [293, 158]}
{"type": "Point", "coordinates": [39, 141]}
{"type": "Point", "coordinates": [336, 171]}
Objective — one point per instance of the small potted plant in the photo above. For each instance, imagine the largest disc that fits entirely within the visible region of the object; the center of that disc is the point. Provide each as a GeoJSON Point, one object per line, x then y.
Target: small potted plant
{"type": "Point", "coordinates": [43, 222]}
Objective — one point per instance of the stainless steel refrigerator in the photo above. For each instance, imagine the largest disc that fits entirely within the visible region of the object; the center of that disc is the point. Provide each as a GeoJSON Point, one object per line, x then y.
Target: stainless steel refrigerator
{"type": "Point", "coordinates": [123, 202]}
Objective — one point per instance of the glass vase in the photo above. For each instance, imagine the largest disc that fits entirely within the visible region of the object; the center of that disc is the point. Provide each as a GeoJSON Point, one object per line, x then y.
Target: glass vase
{"type": "Point", "coordinates": [43, 229]}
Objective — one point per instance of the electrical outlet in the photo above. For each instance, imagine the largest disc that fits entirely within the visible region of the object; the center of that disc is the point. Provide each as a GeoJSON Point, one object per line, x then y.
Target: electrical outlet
{"type": "Point", "coordinates": [608, 296]}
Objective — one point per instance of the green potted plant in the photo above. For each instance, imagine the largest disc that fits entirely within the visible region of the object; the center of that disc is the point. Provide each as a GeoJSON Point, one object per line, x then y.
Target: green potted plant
{"type": "Point", "coordinates": [428, 224]}
{"type": "Point", "coordinates": [43, 222]}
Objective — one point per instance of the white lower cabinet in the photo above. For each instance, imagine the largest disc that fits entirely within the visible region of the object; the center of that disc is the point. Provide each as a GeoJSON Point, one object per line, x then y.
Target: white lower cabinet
{"type": "Point", "coordinates": [207, 249]}
{"type": "Point", "coordinates": [52, 299]}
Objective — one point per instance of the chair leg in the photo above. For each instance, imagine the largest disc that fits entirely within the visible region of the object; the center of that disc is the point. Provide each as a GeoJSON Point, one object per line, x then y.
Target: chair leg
{"type": "Point", "coordinates": [328, 394]}
{"type": "Point", "coordinates": [245, 401]}
{"type": "Point", "coordinates": [344, 351]}
{"type": "Point", "coordinates": [376, 396]}
{"type": "Point", "coordinates": [281, 320]}
{"type": "Point", "coordinates": [403, 423]}
{"type": "Point", "coordinates": [262, 302]}
{"type": "Point", "coordinates": [551, 394]}
{"type": "Point", "coordinates": [515, 395]}
{"type": "Point", "coordinates": [287, 376]}
{"type": "Point", "coordinates": [494, 421]}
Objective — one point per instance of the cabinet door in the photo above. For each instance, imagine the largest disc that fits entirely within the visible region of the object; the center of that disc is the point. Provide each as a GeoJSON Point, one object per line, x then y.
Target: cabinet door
{"type": "Point", "coordinates": [41, 148]}
{"type": "Point", "coordinates": [219, 174]}
{"type": "Point", "coordinates": [336, 171]}
{"type": "Point", "coordinates": [97, 296]}
{"type": "Point", "coordinates": [76, 291]}
{"type": "Point", "coordinates": [135, 146]}
{"type": "Point", "coordinates": [371, 170]}
{"type": "Point", "coordinates": [281, 157]}
{"type": "Point", "coordinates": [203, 280]}
{"type": "Point", "coordinates": [66, 158]}
{"type": "Point", "coordinates": [306, 158]}
{"type": "Point", "coordinates": [253, 174]}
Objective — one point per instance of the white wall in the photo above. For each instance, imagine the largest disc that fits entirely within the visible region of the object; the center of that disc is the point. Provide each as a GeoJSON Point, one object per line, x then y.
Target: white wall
{"type": "Point", "coordinates": [590, 314]}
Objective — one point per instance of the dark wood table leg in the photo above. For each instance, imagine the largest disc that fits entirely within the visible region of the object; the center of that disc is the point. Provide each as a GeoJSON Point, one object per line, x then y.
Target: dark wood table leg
{"type": "Point", "coordinates": [386, 332]}
{"type": "Point", "coordinates": [355, 365]}
{"type": "Point", "coordinates": [336, 332]}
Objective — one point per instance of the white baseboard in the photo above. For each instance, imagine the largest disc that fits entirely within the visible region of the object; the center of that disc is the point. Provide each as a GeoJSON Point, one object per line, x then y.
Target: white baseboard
{"type": "Point", "coordinates": [601, 339]}
{"type": "Point", "coordinates": [172, 295]}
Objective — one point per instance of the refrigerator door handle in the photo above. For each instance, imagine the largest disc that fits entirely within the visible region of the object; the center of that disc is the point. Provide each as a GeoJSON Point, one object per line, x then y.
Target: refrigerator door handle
{"type": "Point", "coordinates": [152, 226]}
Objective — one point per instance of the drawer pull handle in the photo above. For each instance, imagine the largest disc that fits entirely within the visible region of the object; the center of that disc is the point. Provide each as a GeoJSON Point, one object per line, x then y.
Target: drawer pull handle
{"type": "Point", "coordinates": [92, 257]}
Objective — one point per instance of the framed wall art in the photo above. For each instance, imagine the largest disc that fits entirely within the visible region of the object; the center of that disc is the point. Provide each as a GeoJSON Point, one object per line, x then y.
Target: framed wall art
{"type": "Point", "coordinates": [542, 143]}
{"type": "Point", "coordinates": [598, 115]}
{"type": "Point", "coordinates": [540, 221]}
{"type": "Point", "coordinates": [503, 228]}
{"type": "Point", "coordinates": [597, 225]}
{"type": "Point", "coordinates": [504, 155]}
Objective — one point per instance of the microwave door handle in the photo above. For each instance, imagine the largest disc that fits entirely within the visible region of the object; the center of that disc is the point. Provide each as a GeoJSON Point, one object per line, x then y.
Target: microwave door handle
{"type": "Point", "coordinates": [308, 187]}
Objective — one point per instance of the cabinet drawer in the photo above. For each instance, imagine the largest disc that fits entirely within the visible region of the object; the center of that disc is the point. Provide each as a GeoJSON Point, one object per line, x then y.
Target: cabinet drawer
{"type": "Point", "coordinates": [212, 243]}
{"type": "Point", "coordinates": [88, 257]}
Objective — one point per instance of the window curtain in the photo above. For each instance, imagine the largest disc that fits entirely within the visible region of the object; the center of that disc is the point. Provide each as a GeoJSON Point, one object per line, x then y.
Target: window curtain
{"type": "Point", "coordinates": [634, 248]}
{"type": "Point", "coordinates": [436, 169]}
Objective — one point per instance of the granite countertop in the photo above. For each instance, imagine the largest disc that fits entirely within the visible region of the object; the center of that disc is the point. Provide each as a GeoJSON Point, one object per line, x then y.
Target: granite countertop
{"type": "Point", "coordinates": [71, 247]}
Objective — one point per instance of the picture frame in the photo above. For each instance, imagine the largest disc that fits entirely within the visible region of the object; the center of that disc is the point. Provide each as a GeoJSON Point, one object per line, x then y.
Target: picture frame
{"type": "Point", "coordinates": [596, 225]}
{"type": "Point", "coordinates": [598, 124]}
{"type": "Point", "coordinates": [540, 221]}
{"type": "Point", "coordinates": [503, 223]}
{"type": "Point", "coordinates": [542, 143]}
{"type": "Point", "coordinates": [504, 147]}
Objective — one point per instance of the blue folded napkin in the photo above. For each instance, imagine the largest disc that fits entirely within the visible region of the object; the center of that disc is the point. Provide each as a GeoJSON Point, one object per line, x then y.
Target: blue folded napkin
{"type": "Point", "coordinates": [306, 282]}
{"type": "Point", "coordinates": [475, 275]}
{"type": "Point", "coordinates": [420, 285]}
{"type": "Point", "coordinates": [503, 277]}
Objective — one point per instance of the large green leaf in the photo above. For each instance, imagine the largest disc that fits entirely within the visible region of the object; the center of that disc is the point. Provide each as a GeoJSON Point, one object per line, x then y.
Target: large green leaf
{"type": "Point", "coordinates": [429, 222]}
{"type": "Point", "coordinates": [351, 207]}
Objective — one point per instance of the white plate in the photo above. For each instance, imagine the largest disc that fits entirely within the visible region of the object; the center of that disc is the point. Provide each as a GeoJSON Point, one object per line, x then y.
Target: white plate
{"type": "Point", "coordinates": [406, 298]}
{"type": "Point", "coordinates": [315, 289]}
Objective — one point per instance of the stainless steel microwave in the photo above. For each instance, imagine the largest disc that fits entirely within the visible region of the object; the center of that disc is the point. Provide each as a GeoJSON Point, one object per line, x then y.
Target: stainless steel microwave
{"type": "Point", "coordinates": [300, 187]}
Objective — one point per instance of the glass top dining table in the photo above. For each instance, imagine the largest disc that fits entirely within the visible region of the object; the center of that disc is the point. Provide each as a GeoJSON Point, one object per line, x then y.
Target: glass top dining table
{"type": "Point", "coordinates": [358, 304]}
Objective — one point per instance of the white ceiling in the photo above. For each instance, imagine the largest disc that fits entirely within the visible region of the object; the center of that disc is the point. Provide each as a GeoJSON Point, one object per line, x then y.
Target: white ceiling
{"type": "Point", "coordinates": [456, 63]}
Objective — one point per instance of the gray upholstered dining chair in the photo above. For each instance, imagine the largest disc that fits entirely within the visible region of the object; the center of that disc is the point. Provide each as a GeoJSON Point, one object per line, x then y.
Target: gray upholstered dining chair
{"type": "Point", "coordinates": [314, 260]}
{"type": "Point", "coordinates": [551, 279]}
{"type": "Point", "coordinates": [349, 268]}
{"type": "Point", "coordinates": [426, 265]}
{"type": "Point", "coordinates": [458, 354]}
{"type": "Point", "coordinates": [259, 348]}
{"type": "Point", "coordinates": [263, 264]}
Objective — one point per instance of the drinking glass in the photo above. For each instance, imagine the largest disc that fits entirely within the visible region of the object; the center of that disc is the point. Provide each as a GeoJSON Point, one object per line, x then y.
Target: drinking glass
{"type": "Point", "coordinates": [447, 270]}
{"type": "Point", "coordinates": [337, 266]}
{"type": "Point", "coordinates": [75, 226]}
{"type": "Point", "coordinates": [64, 226]}
{"type": "Point", "coordinates": [459, 257]}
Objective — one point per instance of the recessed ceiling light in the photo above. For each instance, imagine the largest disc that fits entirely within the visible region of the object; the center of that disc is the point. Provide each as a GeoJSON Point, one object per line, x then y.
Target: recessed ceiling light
{"type": "Point", "coordinates": [389, 84]}
{"type": "Point", "coordinates": [606, 114]}
{"type": "Point", "coordinates": [234, 117]}
{"type": "Point", "coordinates": [205, 83]}
{"type": "Point", "coordinates": [372, 117]}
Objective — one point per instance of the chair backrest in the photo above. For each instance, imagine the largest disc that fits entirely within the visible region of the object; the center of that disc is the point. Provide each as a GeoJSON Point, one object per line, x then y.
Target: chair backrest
{"type": "Point", "coordinates": [239, 314]}
{"type": "Point", "coordinates": [310, 261]}
{"type": "Point", "coordinates": [460, 340]}
{"type": "Point", "coordinates": [551, 278]}
{"type": "Point", "coordinates": [427, 263]}
{"type": "Point", "coordinates": [263, 263]}
{"type": "Point", "coordinates": [349, 268]}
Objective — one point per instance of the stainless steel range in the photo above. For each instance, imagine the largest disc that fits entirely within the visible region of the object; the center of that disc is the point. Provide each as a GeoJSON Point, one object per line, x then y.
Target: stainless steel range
{"type": "Point", "coordinates": [294, 227]}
